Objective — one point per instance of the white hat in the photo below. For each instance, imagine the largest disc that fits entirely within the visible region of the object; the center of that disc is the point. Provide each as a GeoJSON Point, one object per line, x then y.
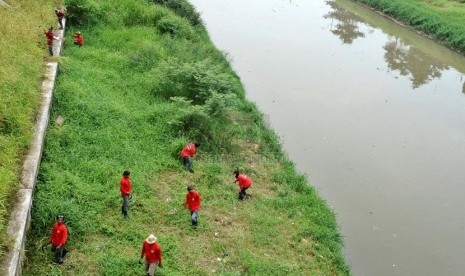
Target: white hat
{"type": "Point", "coordinates": [151, 239]}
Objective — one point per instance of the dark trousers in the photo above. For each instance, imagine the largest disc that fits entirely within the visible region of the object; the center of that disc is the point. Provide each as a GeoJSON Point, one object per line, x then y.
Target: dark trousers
{"type": "Point", "coordinates": [59, 253]}
{"type": "Point", "coordinates": [125, 207]}
{"type": "Point", "coordinates": [50, 49]}
{"type": "Point", "coordinates": [60, 21]}
{"type": "Point", "coordinates": [194, 215]}
{"type": "Point", "coordinates": [188, 163]}
{"type": "Point", "coordinates": [242, 193]}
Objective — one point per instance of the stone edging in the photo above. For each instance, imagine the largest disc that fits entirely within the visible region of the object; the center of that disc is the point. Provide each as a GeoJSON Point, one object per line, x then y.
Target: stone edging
{"type": "Point", "coordinates": [20, 216]}
{"type": "Point", "coordinates": [5, 4]}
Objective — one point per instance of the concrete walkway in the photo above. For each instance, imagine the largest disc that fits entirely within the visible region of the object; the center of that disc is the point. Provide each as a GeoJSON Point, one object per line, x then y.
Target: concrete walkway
{"type": "Point", "coordinates": [20, 217]}
{"type": "Point", "coordinates": [3, 3]}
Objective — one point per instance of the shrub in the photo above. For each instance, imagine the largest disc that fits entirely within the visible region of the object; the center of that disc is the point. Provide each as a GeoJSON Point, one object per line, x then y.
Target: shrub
{"type": "Point", "coordinates": [144, 57]}
{"type": "Point", "coordinates": [192, 120]}
{"type": "Point", "coordinates": [195, 122]}
{"type": "Point", "coordinates": [196, 81]}
{"type": "Point", "coordinates": [218, 105]}
{"type": "Point", "coordinates": [181, 8]}
{"type": "Point", "coordinates": [81, 12]}
{"type": "Point", "coordinates": [175, 26]}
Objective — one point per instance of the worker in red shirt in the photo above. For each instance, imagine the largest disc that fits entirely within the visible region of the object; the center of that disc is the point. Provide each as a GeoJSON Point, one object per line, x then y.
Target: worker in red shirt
{"type": "Point", "coordinates": [50, 37]}
{"type": "Point", "coordinates": [58, 239]}
{"type": "Point", "coordinates": [78, 39]}
{"type": "Point", "coordinates": [187, 153]}
{"type": "Point", "coordinates": [125, 189]}
{"type": "Point", "coordinates": [152, 251]}
{"type": "Point", "coordinates": [193, 202]}
{"type": "Point", "coordinates": [60, 14]}
{"type": "Point", "coordinates": [244, 183]}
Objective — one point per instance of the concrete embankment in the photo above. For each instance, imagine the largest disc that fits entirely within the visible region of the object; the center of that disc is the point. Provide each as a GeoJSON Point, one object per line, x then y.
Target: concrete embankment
{"type": "Point", "coordinates": [21, 215]}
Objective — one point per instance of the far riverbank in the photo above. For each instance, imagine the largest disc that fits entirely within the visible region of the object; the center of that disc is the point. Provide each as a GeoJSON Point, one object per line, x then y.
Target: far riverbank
{"type": "Point", "coordinates": [440, 20]}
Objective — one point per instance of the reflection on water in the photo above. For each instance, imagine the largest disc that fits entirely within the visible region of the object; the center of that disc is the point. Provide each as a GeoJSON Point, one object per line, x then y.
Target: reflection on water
{"type": "Point", "coordinates": [401, 57]}
{"type": "Point", "coordinates": [389, 161]}
{"type": "Point", "coordinates": [346, 27]}
{"type": "Point", "coordinates": [410, 61]}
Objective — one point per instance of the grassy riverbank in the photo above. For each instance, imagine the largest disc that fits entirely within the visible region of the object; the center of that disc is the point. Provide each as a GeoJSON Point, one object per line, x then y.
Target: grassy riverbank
{"type": "Point", "coordinates": [22, 51]}
{"type": "Point", "coordinates": [441, 19]}
{"type": "Point", "coordinates": [147, 81]}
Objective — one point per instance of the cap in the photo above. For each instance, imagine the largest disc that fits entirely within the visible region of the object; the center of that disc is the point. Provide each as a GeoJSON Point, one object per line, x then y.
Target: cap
{"type": "Point", "coordinates": [151, 239]}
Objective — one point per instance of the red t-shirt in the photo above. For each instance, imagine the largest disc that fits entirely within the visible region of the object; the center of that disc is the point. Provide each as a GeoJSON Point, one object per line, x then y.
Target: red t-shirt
{"type": "Point", "coordinates": [244, 181]}
{"type": "Point", "coordinates": [125, 186]}
{"type": "Point", "coordinates": [59, 235]}
{"type": "Point", "coordinates": [60, 14]}
{"type": "Point", "coordinates": [188, 151]}
{"type": "Point", "coordinates": [152, 252]}
{"type": "Point", "coordinates": [193, 200]}
{"type": "Point", "coordinates": [49, 35]}
{"type": "Point", "coordinates": [79, 39]}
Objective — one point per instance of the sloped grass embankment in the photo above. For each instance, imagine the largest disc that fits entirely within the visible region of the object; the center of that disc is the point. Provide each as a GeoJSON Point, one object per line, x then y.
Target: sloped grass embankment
{"type": "Point", "coordinates": [147, 81]}
{"type": "Point", "coordinates": [22, 51]}
{"type": "Point", "coordinates": [441, 19]}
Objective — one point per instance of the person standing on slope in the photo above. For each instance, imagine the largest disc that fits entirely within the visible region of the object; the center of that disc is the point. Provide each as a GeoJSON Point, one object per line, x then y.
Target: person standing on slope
{"type": "Point", "coordinates": [125, 189]}
{"type": "Point", "coordinates": [193, 203]}
{"type": "Point", "coordinates": [152, 252]}
{"type": "Point", "coordinates": [60, 14]}
{"type": "Point", "coordinates": [50, 37]}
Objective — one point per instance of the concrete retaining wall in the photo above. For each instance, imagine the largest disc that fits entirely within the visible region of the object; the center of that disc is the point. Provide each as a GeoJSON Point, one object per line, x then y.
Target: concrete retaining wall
{"type": "Point", "coordinates": [20, 217]}
{"type": "Point", "coordinates": [3, 3]}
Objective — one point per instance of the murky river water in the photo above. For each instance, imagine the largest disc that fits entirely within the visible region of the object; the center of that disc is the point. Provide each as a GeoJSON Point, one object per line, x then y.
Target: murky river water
{"type": "Point", "coordinates": [371, 111]}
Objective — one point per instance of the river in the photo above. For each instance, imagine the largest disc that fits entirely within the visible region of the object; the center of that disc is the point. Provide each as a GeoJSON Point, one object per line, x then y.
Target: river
{"type": "Point", "coordinates": [373, 113]}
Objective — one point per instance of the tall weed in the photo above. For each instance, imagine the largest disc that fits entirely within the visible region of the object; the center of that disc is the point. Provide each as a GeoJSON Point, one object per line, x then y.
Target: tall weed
{"type": "Point", "coordinates": [181, 8]}
{"type": "Point", "coordinates": [196, 81]}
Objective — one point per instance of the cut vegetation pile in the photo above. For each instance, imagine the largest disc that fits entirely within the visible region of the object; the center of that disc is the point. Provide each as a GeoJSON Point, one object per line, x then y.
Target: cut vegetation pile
{"type": "Point", "coordinates": [147, 81]}
{"type": "Point", "coordinates": [442, 19]}
{"type": "Point", "coordinates": [22, 52]}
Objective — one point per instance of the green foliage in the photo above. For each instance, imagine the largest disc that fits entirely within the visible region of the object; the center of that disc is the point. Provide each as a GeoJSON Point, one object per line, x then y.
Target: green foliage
{"type": "Point", "coordinates": [218, 105]}
{"type": "Point", "coordinates": [441, 19]}
{"type": "Point", "coordinates": [145, 56]}
{"type": "Point", "coordinates": [202, 123]}
{"type": "Point", "coordinates": [175, 26]}
{"type": "Point", "coordinates": [80, 13]}
{"type": "Point", "coordinates": [181, 8]}
{"type": "Point", "coordinates": [196, 81]}
{"type": "Point", "coordinates": [287, 177]}
{"type": "Point", "coordinates": [192, 120]}
{"type": "Point", "coordinates": [131, 99]}
{"type": "Point", "coordinates": [23, 49]}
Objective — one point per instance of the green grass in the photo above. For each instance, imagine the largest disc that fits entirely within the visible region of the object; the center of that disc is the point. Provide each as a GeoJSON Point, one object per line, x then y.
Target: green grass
{"type": "Point", "coordinates": [22, 52]}
{"type": "Point", "coordinates": [140, 88]}
{"type": "Point", "coordinates": [442, 19]}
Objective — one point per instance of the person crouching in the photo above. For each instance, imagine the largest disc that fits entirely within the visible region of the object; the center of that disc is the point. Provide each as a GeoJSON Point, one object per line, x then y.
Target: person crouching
{"type": "Point", "coordinates": [58, 239]}
{"type": "Point", "coordinates": [78, 39]}
{"type": "Point", "coordinates": [244, 183]}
